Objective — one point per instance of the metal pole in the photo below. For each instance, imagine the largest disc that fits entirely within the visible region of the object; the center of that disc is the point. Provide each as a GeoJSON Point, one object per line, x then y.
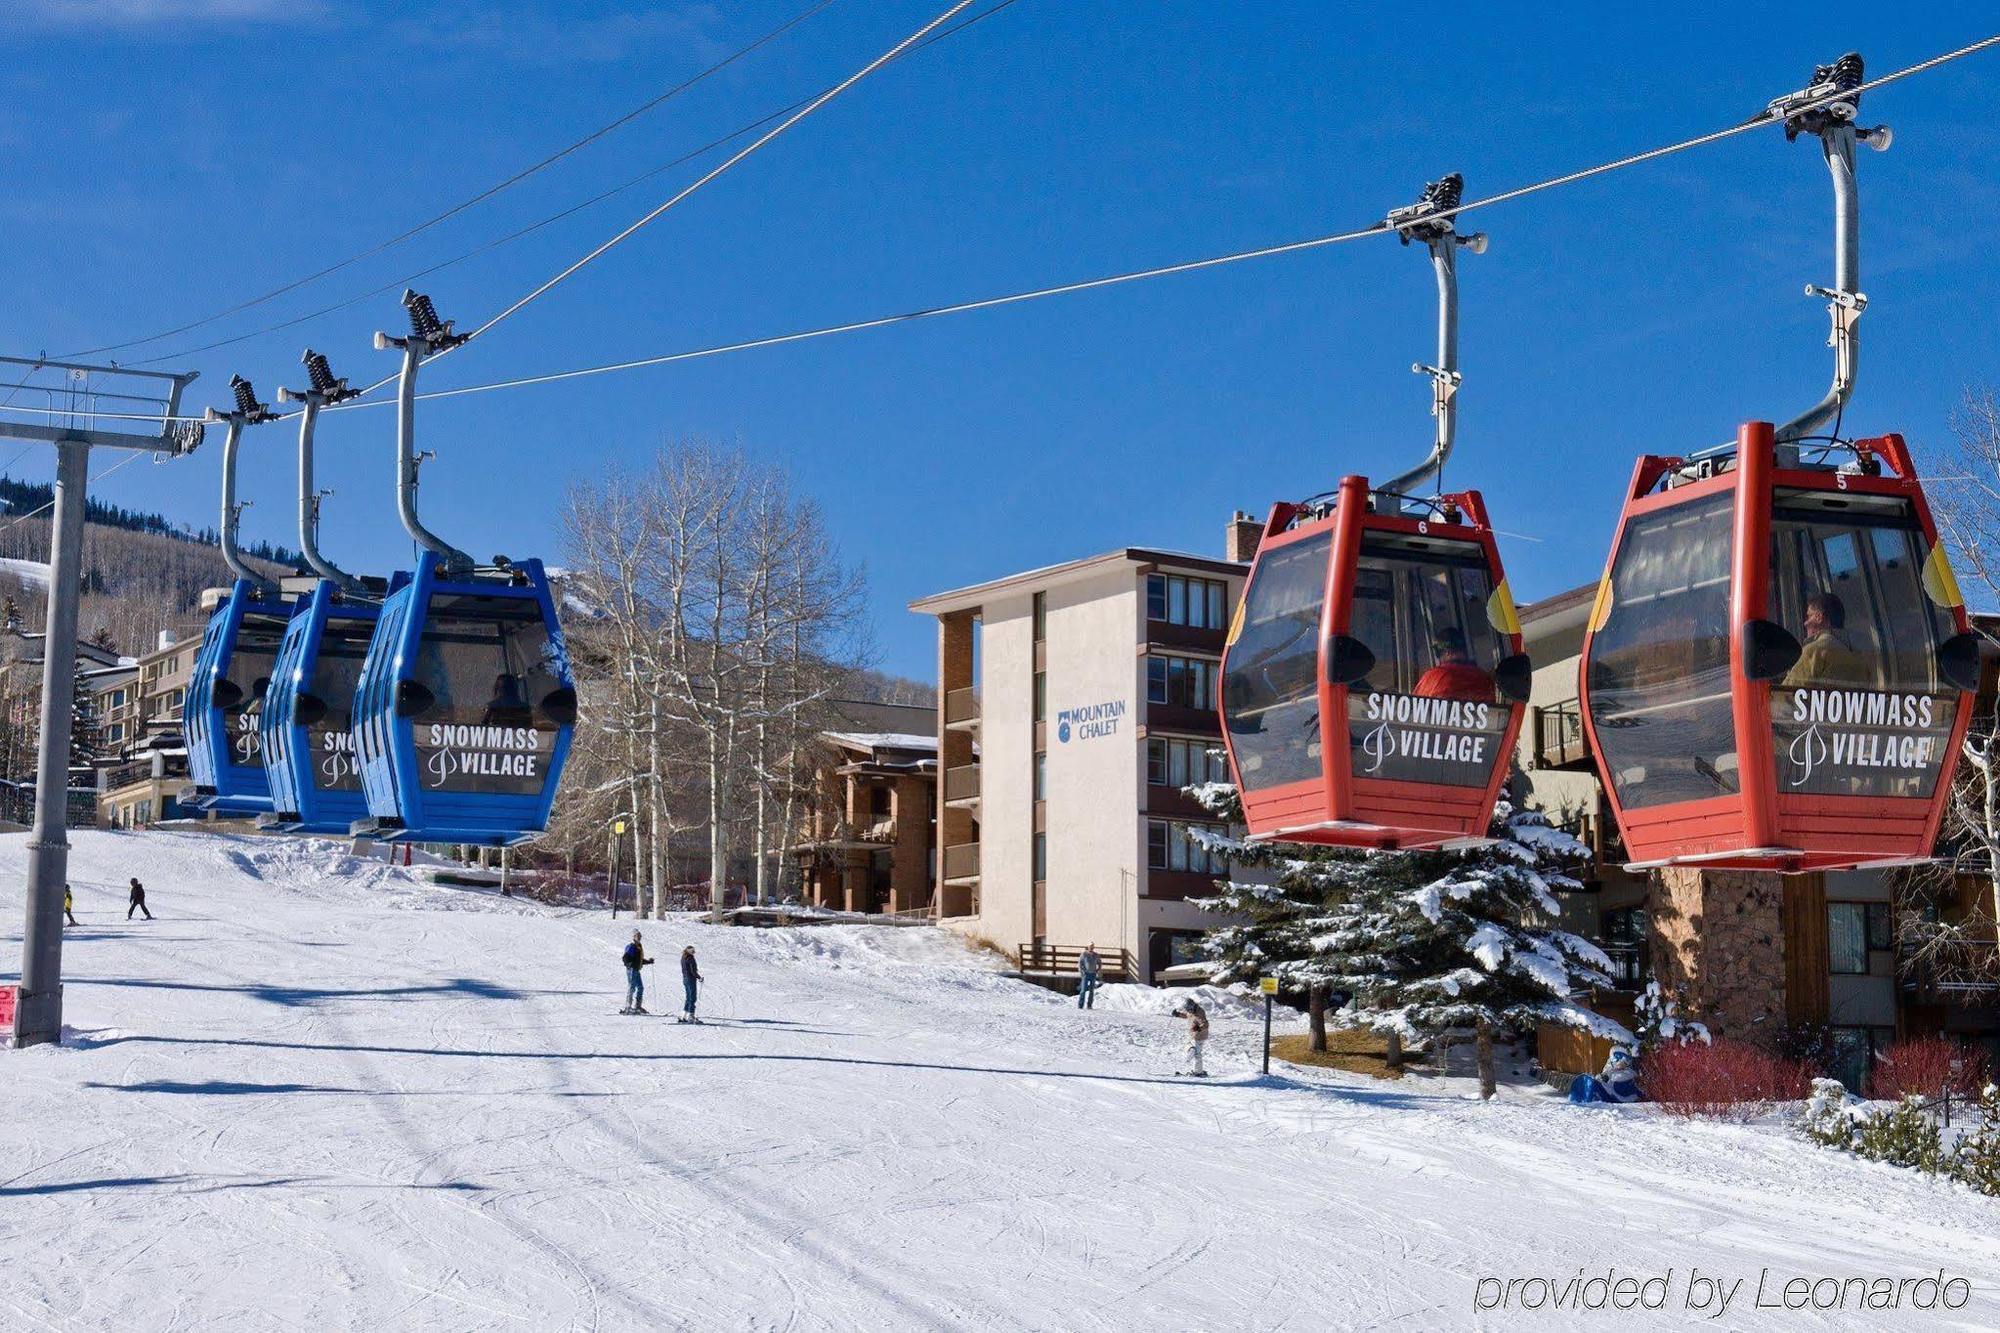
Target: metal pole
{"type": "Point", "coordinates": [611, 888]}
{"type": "Point", "coordinates": [1267, 1032]}
{"type": "Point", "coordinates": [504, 891]}
{"type": "Point", "coordinates": [38, 1015]}
{"type": "Point", "coordinates": [428, 334]}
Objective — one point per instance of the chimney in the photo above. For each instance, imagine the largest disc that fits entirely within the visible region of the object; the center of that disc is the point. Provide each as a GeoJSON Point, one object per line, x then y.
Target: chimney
{"type": "Point", "coordinates": [165, 642]}
{"type": "Point", "coordinates": [1240, 538]}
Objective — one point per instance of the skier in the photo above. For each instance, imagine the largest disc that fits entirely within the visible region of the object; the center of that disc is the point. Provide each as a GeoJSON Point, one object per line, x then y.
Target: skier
{"type": "Point", "coordinates": [138, 903]}
{"type": "Point", "coordinates": [691, 978]}
{"type": "Point", "coordinates": [1197, 1021]}
{"type": "Point", "coordinates": [1088, 966]}
{"type": "Point", "coordinates": [635, 985]}
{"type": "Point", "coordinates": [69, 907]}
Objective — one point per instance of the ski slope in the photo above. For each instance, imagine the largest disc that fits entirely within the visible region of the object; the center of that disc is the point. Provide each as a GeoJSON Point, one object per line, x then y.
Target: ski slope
{"type": "Point", "coordinates": [316, 1094]}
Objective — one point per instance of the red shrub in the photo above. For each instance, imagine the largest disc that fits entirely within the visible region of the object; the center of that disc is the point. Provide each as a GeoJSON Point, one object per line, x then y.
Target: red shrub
{"type": "Point", "coordinates": [1927, 1066]}
{"type": "Point", "coordinates": [1725, 1079]}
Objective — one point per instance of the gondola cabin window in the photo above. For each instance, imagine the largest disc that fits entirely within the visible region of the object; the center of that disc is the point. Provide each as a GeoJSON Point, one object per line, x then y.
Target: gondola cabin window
{"type": "Point", "coordinates": [343, 645]}
{"type": "Point", "coordinates": [1863, 712]}
{"type": "Point", "coordinates": [240, 696]}
{"type": "Point", "coordinates": [484, 673]}
{"type": "Point", "coordinates": [1659, 665]}
{"type": "Point", "coordinates": [1428, 709]}
{"type": "Point", "coordinates": [1271, 695]}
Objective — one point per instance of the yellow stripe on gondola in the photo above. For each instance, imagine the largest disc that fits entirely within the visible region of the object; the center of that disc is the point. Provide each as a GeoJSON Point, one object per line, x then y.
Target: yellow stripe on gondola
{"type": "Point", "coordinates": [1235, 623]}
{"type": "Point", "coordinates": [1600, 610]}
{"type": "Point", "coordinates": [1940, 584]}
{"type": "Point", "coordinates": [1500, 611]}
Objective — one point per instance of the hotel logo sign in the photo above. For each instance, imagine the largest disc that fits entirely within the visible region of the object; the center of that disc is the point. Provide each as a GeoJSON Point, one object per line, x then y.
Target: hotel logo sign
{"type": "Point", "coordinates": [1090, 721]}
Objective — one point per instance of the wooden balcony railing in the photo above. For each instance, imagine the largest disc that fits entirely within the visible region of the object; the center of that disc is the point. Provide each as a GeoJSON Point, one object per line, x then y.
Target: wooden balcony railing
{"type": "Point", "coordinates": [1060, 959]}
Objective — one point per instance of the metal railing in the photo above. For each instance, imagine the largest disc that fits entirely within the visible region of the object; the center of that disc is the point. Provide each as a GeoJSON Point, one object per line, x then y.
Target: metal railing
{"type": "Point", "coordinates": [1559, 739]}
{"type": "Point", "coordinates": [961, 705]}
{"type": "Point", "coordinates": [962, 783]}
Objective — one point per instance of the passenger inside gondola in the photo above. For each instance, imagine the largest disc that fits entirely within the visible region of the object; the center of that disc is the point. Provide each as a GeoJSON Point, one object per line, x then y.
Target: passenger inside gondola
{"type": "Point", "coordinates": [1455, 675]}
{"type": "Point", "coordinates": [508, 707]}
{"type": "Point", "coordinates": [1826, 657]}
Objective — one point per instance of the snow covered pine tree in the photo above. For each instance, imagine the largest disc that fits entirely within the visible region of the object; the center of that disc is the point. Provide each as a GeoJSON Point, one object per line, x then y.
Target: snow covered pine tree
{"type": "Point", "coordinates": [1425, 945]}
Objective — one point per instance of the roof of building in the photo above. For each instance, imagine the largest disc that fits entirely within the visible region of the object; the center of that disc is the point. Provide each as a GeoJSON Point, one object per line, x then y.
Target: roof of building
{"type": "Point", "coordinates": [884, 740]}
{"type": "Point", "coordinates": [963, 599]}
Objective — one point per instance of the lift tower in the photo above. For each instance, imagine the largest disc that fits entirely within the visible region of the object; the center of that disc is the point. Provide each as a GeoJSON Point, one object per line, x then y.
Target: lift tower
{"type": "Point", "coordinates": [89, 406]}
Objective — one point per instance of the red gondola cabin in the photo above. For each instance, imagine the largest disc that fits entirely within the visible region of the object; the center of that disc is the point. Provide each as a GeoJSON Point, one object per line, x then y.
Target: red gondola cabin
{"type": "Point", "coordinates": [1777, 670]}
{"type": "Point", "coordinates": [1373, 678]}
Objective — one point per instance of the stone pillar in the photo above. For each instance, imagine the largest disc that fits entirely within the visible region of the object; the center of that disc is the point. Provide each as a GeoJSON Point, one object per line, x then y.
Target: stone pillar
{"type": "Point", "coordinates": [1718, 941]}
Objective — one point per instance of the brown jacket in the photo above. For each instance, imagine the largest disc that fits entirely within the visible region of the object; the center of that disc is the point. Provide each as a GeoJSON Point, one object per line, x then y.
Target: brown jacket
{"type": "Point", "coordinates": [1197, 1020]}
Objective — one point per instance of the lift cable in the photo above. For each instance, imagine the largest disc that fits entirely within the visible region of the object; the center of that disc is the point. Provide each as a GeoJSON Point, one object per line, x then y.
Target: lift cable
{"type": "Point", "coordinates": [1762, 118]}
{"type": "Point", "coordinates": [130, 457]}
{"type": "Point", "coordinates": [485, 194]}
{"type": "Point", "coordinates": [410, 279]}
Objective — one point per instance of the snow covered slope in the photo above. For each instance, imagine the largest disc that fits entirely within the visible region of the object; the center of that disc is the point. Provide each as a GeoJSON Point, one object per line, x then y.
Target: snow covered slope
{"type": "Point", "coordinates": [315, 1094]}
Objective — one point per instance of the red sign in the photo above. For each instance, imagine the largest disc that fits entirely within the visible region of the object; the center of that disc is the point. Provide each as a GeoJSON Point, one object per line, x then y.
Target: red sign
{"type": "Point", "coordinates": [7, 1005]}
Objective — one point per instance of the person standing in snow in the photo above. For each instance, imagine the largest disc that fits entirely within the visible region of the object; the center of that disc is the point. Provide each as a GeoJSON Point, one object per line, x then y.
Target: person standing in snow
{"type": "Point", "coordinates": [691, 979]}
{"type": "Point", "coordinates": [138, 900]}
{"type": "Point", "coordinates": [1197, 1021]}
{"type": "Point", "coordinates": [1088, 967]}
{"type": "Point", "coordinates": [635, 985]}
{"type": "Point", "coordinates": [69, 907]}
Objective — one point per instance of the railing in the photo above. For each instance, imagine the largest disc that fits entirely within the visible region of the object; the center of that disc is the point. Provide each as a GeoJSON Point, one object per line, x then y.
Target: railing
{"type": "Point", "coordinates": [961, 706]}
{"type": "Point", "coordinates": [1559, 740]}
{"type": "Point", "coordinates": [1967, 973]}
{"type": "Point", "coordinates": [1060, 959]}
{"type": "Point", "coordinates": [961, 783]}
{"type": "Point", "coordinates": [961, 861]}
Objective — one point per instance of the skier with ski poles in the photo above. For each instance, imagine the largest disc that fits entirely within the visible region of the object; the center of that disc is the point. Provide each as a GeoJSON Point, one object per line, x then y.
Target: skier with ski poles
{"type": "Point", "coordinates": [691, 979]}
{"type": "Point", "coordinates": [1197, 1021]}
{"type": "Point", "coordinates": [635, 985]}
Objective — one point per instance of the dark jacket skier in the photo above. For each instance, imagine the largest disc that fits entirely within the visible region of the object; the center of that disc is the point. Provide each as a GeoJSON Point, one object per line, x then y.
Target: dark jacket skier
{"type": "Point", "coordinates": [691, 978]}
{"type": "Point", "coordinates": [635, 985]}
{"type": "Point", "coordinates": [138, 900]}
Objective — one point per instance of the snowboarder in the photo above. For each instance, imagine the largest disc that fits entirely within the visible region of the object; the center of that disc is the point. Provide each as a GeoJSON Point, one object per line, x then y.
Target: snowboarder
{"type": "Point", "coordinates": [69, 907]}
{"type": "Point", "coordinates": [691, 978]}
{"type": "Point", "coordinates": [138, 903]}
{"type": "Point", "coordinates": [1197, 1021]}
{"type": "Point", "coordinates": [635, 985]}
{"type": "Point", "coordinates": [1088, 966]}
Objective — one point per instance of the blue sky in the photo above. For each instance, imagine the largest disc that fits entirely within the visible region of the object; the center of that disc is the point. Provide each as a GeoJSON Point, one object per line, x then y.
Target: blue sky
{"type": "Point", "coordinates": [166, 158]}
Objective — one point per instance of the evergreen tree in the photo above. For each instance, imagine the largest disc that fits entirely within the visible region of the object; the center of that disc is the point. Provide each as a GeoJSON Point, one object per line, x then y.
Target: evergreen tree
{"type": "Point", "coordinates": [1424, 945]}
{"type": "Point", "coordinates": [83, 735]}
{"type": "Point", "coordinates": [102, 639]}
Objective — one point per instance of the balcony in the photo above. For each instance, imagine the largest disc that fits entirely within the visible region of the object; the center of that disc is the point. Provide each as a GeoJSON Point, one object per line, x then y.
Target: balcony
{"type": "Point", "coordinates": [1962, 973]}
{"type": "Point", "coordinates": [1559, 740]}
{"type": "Point", "coordinates": [961, 709]}
{"type": "Point", "coordinates": [961, 863]}
{"type": "Point", "coordinates": [961, 786]}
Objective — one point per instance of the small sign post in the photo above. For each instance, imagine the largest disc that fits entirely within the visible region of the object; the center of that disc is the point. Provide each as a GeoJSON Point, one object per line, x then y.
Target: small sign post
{"type": "Point", "coordinates": [1269, 985]}
{"type": "Point", "coordinates": [617, 832]}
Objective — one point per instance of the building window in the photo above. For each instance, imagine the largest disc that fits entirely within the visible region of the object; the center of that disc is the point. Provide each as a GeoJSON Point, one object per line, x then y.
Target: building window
{"type": "Point", "coordinates": [878, 802]}
{"type": "Point", "coordinates": [1878, 926]}
{"type": "Point", "coordinates": [1171, 762]}
{"type": "Point", "coordinates": [1184, 682]}
{"type": "Point", "coordinates": [1041, 775]}
{"type": "Point", "coordinates": [1041, 616]}
{"type": "Point", "coordinates": [1041, 857]}
{"type": "Point", "coordinates": [1170, 845]}
{"type": "Point", "coordinates": [1178, 600]}
{"type": "Point", "coordinates": [1847, 938]}
{"type": "Point", "coordinates": [1041, 695]}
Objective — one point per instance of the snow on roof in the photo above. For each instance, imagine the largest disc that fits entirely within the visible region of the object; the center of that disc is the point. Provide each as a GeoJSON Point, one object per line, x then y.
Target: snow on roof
{"type": "Point", "coordinates": [28, 571]}
{"type": "Point", "coordinates": [883, 740]}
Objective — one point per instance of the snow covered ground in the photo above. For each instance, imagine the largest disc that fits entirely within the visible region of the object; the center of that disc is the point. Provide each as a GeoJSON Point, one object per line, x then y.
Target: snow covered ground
{"type": "Point", "coordinates": [316, 1094]}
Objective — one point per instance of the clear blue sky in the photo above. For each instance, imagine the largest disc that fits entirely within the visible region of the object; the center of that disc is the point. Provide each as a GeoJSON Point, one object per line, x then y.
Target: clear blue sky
{"type": "Point", "coordinates": [167, 157]}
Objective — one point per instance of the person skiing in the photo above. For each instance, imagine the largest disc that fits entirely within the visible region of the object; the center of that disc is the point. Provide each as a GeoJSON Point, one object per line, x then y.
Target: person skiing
{"type": "Point", "coordinates": [1088, 967]}
{"type": "Point", "coordinates": [69, 907]}
{"type": "Point", "coordinates": [691, 978]}
{"type": "Point", "coordinates": [138, 901]}
{"type": "Point", "coordinates": [635, 985]}
{"type": "Point", "coordinates": [1197, 1021]}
